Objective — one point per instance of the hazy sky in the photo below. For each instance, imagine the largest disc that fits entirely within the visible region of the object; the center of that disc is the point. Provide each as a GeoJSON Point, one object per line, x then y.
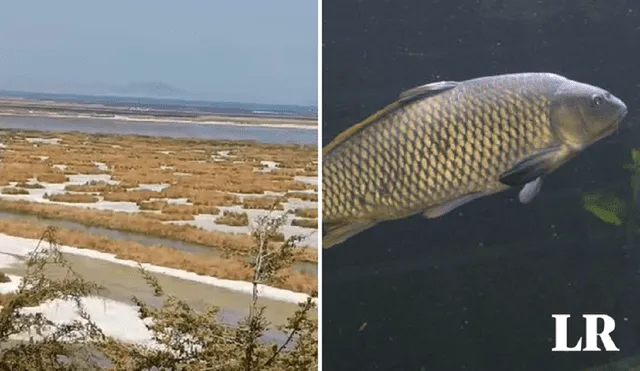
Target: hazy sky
{"type": "Point", "coordinates": [226, 50]}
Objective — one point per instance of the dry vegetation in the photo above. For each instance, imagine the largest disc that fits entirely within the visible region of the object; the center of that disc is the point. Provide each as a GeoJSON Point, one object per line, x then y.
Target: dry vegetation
{"type": "Point", "coordinates": [146, 223]}
{"type": "Point", "coordinates": [52, 178]}
{"type": "Point", "coordinates": [71, 197]}
{"type": "Point", "coordinates": [305, 223]}
{"type": "Point", "coordinates": [304, 196]}
{"type": "Point", "coordinates": [191, 340]}
{"type": "Point", "coordinates": [14, 191]}
{"type": "Point", "coordinates": [30, 185]}
{"type": "Point", "coordinates": [264, 203]}
{"type": "Point", "coordinates": [164, 256]}
{"type": "Point", "coordinates": [307, 213]}
{"type": "Point", "coordinates": [138, 160]}
{"type": "Point", "coordinates": [233, 219]}
{"type": "Point", "coordinates": [95, 186]}
{"type": "Point", "coordinates": [216, 170]}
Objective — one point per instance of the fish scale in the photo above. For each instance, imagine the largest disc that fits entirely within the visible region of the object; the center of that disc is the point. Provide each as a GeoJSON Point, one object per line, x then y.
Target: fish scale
{"type": "Point", "coordinates": [443, 142]}
{"type": "Point", "coordinates": [467, 153]}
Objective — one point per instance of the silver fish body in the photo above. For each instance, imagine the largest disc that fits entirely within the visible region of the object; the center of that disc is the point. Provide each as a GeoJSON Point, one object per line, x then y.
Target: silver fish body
{"type": "Point", "coordinates": [444, 144]}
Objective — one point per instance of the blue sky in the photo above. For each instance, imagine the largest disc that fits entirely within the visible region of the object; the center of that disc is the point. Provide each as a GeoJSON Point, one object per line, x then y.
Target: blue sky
{"type": "Point", "coordinates": [231, 50]}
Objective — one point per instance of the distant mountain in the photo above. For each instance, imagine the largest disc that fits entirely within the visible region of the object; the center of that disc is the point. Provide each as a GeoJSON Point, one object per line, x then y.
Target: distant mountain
{"type": "Point", "coordinates": [150, 89]}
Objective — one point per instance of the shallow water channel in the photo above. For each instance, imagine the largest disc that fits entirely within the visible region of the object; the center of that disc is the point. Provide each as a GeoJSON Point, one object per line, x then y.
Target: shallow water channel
{"type": "Point", "coordinates": [302, 267]}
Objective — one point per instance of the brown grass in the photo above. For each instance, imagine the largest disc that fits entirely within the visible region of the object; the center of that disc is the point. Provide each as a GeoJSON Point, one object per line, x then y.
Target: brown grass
{"type": "Point", "coordinates": [305, 223]}
{"type": "Point", "coordinates": [137, 195]}
{"type": "Point", "coordinates": [136, 159]}
{"type": "Point", "coordinates": [306, 213]}
{"type": "Point", "coordinates": [30, 185]}
{"type": "Point", "coordinates": [153, 205]}
{"type": "Point", "coordinates": [173, 209]}
{"type": "Point", "coordinates": [133, 160]}
{"type": "Point", "coordinates": [264, 203]}
{"type": "Point", "coordinates": [14, 191]}
{"type": "Point", "coordinates": [145, 223]}
{"type": "Point", "coordinates": [71, 197]}
{"type": "Point", "coordinates": [157, 255]}
{"type": "Point", "coordinates": [166, 217]}
{"type": "Point", "coordinates": [4, 278]}
{"type": "Point", "coordinates": [233, 219]}
{"type": "Point", "coordinates": [190, 209]}
{"type": "Point", "coordinates": [304, 196]}
{"type": "Point", "coordinates": [84, 169]}
{"type": "Point", "coordinates": [53, 178]}
{"type": "Point", "coordinates": [94, 186]}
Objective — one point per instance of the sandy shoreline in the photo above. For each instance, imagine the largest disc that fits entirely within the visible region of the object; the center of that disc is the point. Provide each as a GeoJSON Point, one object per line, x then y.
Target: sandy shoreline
{"type": "Point", "coordinates": [252, 123]}
{"type": "Point", "coordinates": [66, 110]}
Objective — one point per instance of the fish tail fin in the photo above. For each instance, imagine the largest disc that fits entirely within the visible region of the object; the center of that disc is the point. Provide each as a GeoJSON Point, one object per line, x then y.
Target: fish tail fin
{"type": "Point", "coordinates": [339, 231]}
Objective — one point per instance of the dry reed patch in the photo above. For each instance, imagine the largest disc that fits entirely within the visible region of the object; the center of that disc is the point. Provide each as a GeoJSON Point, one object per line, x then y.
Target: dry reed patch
{"type": "Point", "coordinates": [84, 169]}
{"type": "Point", "coordinates": [136, 160]}
{"type": "Point", "coordinates": [71, 197]}
{"type": "Point", "coordinates": [136, 195]}
{"type": "Point", "coordinates": [157, 255]}
{"type": "Point", "coordinates": [167, 217]}
{"type": "Point", "coordinates": [305, 223]}
{"type": "Point", "coordinates": [143, 223]}
{"type": "Point", "coordinates": [140, 176]}
{"type": "Point", "coordinates": [4, 278]}
{"type": "Point", "coordinates": [264, 203]}
{"type": "Point", "coordinates": [173, 209]}
{"type": "Point", "coordinates": [306, 213]}
{"type": "Point", "coordinates": [201, 198]}
{"type": "Point", "coordinates": [14, 191]}
{"type": "Point", "coordinates": [190, 209]}
{"type": "Point", "coordinates": [128, 184]}
{"type": "Point", "coordinates": [153, 205]}
{"type": "Point", "coordinates": [22, 172]}
{"type": "Point", "coordinates": [95, 186]}
{"type": "Point", "coordinates": [233, 219]}
{"type": "Point", "coordinates": [304, 196]}
{"type": "Point", "coordinates": [292, 172]}
{"type": "Point", "coordinates": [30, 185]}
{"type": "Point", "coordinates": [52, 178]}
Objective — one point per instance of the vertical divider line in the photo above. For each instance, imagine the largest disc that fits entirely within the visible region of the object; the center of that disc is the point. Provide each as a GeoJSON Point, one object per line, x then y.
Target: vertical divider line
{"type": "Point", "coordinates": [319, 244]}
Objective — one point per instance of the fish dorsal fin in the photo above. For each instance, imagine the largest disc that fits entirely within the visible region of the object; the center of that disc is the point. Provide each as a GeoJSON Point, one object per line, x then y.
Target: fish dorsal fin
{"type": "Point", "coordinates": [426, 90]}
{"type": "Point", "coordinates": [405, 97]}
{"type": "Point", "coordinates": [359, 126]}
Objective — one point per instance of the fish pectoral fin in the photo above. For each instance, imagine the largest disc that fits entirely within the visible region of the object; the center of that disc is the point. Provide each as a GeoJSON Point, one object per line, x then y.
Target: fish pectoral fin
{"type": "Point", "coordinates": [531, 167]}
{"type": "Point", "coordinates": [440, 210]}
{"type": "Point", "coordinates": [339, 231]}
{"type": "Point", "coordinates": [530, 191]}
{"type": "Point", "coordinates": [426, 90]}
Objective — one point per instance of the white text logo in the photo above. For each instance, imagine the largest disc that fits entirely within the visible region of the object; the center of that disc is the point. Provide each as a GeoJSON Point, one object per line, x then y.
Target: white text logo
{"type": "Point", "coordinates": [591, 334]}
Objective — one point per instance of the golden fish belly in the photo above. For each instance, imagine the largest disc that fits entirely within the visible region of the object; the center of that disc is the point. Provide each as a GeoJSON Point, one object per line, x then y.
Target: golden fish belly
{"type": "Point", "coordinates": [432, 151]}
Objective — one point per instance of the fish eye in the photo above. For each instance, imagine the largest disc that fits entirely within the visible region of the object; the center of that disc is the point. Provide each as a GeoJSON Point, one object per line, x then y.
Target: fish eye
{"type": "Point", "coordinates": [596, 100]}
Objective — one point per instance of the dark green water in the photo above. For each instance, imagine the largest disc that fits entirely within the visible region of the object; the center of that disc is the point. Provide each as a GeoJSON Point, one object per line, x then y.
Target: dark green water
{"type": "Point", "coordinates": [475, 289]}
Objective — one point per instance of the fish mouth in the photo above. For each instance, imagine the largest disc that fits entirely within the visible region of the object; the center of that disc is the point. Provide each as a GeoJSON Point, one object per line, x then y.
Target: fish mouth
{"type": "Point", "coordinates": [621, 115]}
{"type": "Point", "coordinates": [615, 125]}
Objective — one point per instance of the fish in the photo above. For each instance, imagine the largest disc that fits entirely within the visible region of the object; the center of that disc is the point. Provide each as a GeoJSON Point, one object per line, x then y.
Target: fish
{"type": "Point", "coordinates": [444, 144]}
